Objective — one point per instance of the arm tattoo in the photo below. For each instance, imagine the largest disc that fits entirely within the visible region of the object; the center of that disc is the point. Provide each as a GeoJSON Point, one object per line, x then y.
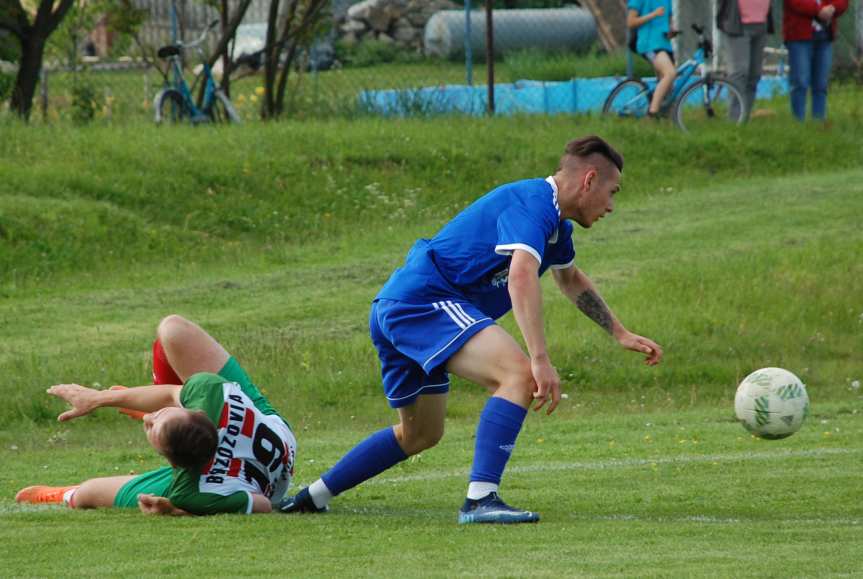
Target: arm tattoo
{"type": "Point", "coordinates": [594, 308]}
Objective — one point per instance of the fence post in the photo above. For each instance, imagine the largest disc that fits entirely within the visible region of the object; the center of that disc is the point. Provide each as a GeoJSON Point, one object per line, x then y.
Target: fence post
{"type": "Point", "coordinates": [717, 38]}
{"type": "Point", "coordinates": [859, 28]}
{"type": "Point", "coordinates": [630, 73]}
{"type": "Point", "coordinates": [146, 86]}
{"type": "Point", "coordinates": [43, 92]}
{"type": "Point", "coordinates": [468, 48]}
{"type": "Point", "coordinates": [489, 54]}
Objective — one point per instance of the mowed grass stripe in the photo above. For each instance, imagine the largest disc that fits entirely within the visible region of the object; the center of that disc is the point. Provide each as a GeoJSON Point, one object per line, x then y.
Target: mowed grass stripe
{"type": "Point", "coordinates": [624, 463]}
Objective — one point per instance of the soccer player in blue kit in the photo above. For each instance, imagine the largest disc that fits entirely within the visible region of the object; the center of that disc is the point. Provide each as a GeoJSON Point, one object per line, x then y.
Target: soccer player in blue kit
{"type": "Point", "coordinates": [436, 315]}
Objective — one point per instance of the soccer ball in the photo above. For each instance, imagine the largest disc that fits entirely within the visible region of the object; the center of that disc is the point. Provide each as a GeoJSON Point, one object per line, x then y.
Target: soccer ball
{"type": "Point", "coordinates": [771, 403]}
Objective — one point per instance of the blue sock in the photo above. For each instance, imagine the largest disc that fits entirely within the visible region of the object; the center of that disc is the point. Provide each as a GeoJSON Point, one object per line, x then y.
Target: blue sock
{"type": "Point", "coordinates": [369, 458]}
{"type": "Point", "coordinates": [498, 428]}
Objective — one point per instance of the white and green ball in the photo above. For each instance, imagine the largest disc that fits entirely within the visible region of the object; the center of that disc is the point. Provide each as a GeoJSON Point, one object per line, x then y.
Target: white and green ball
{"type": "Point", "coordinates": [771, 403]}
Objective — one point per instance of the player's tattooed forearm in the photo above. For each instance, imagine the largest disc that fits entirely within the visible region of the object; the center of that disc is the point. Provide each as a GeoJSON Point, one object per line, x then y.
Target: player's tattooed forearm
{"type": "Point", "coordinates": [594, 308]}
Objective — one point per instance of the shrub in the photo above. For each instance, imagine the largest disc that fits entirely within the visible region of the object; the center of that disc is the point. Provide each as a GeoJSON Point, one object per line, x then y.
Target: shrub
{"type": "Point", "coordinates": [84, 103]}
{"type": "Point", "coordinates": [7, 81]}
{"type": "Point", "coordinates": [371, 52]}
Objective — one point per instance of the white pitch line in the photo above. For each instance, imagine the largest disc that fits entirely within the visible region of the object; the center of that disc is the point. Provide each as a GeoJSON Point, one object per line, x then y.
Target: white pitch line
{"type": "Point", "coordinates": [715, 520]}
{"type": "Point", "coordinates": [616, 463]}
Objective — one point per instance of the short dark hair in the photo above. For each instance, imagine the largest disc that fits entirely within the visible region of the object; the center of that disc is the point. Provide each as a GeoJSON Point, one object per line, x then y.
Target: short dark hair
{"type": "Point", "coordinates": [594, 145]}
{"type": "Point", "coordinates": [192, 442]}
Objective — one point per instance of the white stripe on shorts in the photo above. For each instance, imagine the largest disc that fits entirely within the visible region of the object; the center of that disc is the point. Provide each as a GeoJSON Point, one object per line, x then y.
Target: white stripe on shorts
{"type": "Point", "coordinates": [463, 313]}
{"type": "Point", "coordinates": [443, 306]}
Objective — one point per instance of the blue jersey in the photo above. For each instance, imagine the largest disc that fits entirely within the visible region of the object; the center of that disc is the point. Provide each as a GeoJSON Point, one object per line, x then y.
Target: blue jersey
{"type": "Point", "coordinates": [469, 258]}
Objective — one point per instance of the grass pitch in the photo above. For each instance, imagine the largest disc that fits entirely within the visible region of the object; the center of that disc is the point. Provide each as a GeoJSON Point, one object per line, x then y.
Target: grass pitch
{"type": "Point", "coordinates": [734, 251]}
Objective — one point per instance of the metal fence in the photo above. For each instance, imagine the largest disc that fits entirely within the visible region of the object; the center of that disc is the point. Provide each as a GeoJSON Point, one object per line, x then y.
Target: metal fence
{"type": "Point", "coordinates": [396, 57]}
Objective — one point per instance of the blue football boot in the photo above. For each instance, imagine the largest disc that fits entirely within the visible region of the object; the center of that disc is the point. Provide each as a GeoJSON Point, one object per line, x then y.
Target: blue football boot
{"type": "Point", "coordinates": [300, 503]}
{"type": "Point", "coordinates": [492, 509]}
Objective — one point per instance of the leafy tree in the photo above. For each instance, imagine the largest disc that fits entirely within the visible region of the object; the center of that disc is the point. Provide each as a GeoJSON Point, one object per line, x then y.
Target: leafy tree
{"type": "Point", "coordinates": [32, 32]}
{"type": "Point", "coordinates": [291, 28]}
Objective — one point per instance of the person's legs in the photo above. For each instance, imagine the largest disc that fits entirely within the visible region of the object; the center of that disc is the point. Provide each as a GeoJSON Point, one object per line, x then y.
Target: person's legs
{"type": "Point", "coordinates": [665, 75]}
{"type": "Point", "coordinates": [97, 492]}
{"type": "Point", "coordinates": [188, 348]}
{"type": "Point", "coordinates": [490, 358]}
{"type": "Point", "coordinates": [822, 60]}
{"type": "Point", "coordinates": [494, 359]}
{"type": "Point", "coordinates": [757, 42]}
{"type": "Point", "coordinates": [737, 52]}
{"type": "Point", "coordinates": [415, 383]}
{"type": "Point", "coordinates": [163, 373]}
{"type": "Point", "coordinates": [420, 427]}
{"type": "Point", "coordinates": [799, 74]}
{"type": "Point", "coordinates": [418, 396]}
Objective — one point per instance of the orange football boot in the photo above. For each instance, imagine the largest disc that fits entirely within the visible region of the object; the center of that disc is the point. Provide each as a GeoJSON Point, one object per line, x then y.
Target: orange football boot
{"type": "Point", "coordinates": [41, 494]}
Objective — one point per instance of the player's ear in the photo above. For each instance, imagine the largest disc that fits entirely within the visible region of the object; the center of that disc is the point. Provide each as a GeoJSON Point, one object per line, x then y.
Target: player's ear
{"type": "Point", "coordinates": [589, 178]}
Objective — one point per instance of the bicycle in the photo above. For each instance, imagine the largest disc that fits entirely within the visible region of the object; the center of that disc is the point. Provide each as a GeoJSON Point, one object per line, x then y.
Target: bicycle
{"type": "Point", "coordinates": [695, 104]}
{"type": "Point", "coordinates": [175, 104]}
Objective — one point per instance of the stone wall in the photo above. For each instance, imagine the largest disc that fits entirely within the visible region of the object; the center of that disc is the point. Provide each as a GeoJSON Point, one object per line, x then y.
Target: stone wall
{"type": "Point", "coordinates": [399, 22]}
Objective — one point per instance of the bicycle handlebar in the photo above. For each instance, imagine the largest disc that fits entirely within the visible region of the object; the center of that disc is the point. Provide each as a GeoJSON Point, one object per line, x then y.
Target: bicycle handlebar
{"type": "Point", "coordinates": [201, 38]}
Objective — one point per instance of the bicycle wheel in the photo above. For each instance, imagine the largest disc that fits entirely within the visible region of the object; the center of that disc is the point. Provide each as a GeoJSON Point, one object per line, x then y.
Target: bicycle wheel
{"type": "Point", "coordinates": [170, 107]}
{"type": "Point", "coordinates": [709, 102]}
{"type": "Point", "coordinates": [630, 98]}
{"type": "Point", "coordinates": [222, 110]}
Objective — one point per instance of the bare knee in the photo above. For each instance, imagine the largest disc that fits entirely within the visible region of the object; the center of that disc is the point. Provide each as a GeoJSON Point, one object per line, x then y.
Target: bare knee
{"type": "Point", "coordinates": [414, 440]}
{"type": "Point", "coordinates": [91, 495]}
{"type": "Point", "coordinates": [518, 384]}
{"type": "Point", "coordinates": [172, 327]}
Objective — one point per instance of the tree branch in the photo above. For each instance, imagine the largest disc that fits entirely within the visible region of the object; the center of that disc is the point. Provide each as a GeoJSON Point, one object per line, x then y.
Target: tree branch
{"type": "Point", "coordinates": [229, 32]}
{"type": "Point", "coordinates": [56, 17]}
{"type": "Point", "coordinates": [308, 21]}
{"type": "Point", "coordinates": [14, 19]}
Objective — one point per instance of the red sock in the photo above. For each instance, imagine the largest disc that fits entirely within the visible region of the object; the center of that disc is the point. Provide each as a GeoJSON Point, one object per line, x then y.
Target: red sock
{"type": "Point", "coordinates": [162, 371]}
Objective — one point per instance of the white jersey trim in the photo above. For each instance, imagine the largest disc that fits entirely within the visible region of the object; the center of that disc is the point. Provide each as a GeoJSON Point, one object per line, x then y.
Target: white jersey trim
{"type": "Point", "coordinates": [550, 181]}
{"type": "Point", "coordinates": [251, 503]}
{"type": "Point", "coordinates": [509, 248]}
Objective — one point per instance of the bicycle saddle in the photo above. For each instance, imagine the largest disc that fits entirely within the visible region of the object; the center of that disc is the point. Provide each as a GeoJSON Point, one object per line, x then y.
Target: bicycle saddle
{"type": "Point", "coordinates": [168, 51]}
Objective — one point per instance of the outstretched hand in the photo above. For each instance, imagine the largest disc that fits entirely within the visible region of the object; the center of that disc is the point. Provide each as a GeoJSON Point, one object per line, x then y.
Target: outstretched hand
{"type": "Point", "coordinates": [646, 346]}
{"type": "Point", "coordinates": [153, 505]}
{"type": "Point", "coordinates": [83, 400]}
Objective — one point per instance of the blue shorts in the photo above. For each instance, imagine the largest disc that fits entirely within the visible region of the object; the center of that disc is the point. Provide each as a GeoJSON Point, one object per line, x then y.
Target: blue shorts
{"type": "Point", "coordinates": [414, 341]}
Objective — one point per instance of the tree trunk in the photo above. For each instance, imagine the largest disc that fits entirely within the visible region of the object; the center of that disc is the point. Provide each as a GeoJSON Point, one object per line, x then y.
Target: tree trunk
{"type": "Point", "coordinates": [33, 38]}
{"type": "Point", "coordinates": [271, 61]}
{"type": "Point", "coordinates": [224, 12]}
{"type": "Point", "coordinates": [32, 50]}
{"type": "Point", "coordinates": [298, 25]}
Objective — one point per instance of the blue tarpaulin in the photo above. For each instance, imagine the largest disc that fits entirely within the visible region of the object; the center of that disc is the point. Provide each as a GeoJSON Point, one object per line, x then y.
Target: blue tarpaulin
{"type": "Point", "coordinates": [575, 96]}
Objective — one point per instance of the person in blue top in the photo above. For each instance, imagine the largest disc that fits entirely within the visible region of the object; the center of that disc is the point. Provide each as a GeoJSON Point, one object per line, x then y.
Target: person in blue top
{"type": "Point", "coordinates": [651, 21]}
{"type": "Point", "coordinates": [436, 315]}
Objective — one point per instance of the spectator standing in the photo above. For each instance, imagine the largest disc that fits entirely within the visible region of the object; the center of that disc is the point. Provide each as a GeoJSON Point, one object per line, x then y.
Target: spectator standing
{"type": "Point", "coordinates": [808, 28]}
{"type": "Point", "coordinates": [744, 25]}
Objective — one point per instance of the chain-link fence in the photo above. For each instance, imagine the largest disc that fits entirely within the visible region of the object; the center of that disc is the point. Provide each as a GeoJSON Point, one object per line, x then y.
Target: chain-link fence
{"type": "Point", "coordinates": [393, 57]}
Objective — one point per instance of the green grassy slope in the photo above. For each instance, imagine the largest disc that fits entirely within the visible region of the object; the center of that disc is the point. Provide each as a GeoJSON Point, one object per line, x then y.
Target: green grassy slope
{"type": "Point", "coordinates": [734, 251]}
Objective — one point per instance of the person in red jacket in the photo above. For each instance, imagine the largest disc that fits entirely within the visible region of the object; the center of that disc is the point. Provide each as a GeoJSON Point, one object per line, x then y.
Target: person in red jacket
{"type": "Point", "coordinates": [809, 27]}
